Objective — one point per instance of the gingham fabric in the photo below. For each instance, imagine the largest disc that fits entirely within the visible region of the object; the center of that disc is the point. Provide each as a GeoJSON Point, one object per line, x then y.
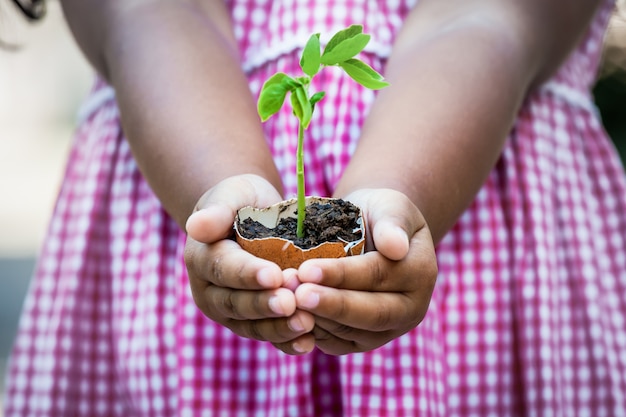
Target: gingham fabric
{"type": "Point", "coordinates": [528, 317]}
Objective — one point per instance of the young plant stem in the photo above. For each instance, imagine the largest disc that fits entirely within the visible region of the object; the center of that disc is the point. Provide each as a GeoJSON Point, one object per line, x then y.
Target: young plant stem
{"type": "Point", "coordinates": [300, 177]}
{"type": "Point", "coordinates": [339, 51]}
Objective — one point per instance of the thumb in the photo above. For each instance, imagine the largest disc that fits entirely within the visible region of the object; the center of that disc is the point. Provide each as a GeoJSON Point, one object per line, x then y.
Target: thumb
{"type": "Point", "coordinates": [210, 224]}
{"type": "Point", "coordinates": [215, 211]}
{"type": "Point", "coordinates": [392, 220]}
{"type": "Point", "coordinates": [391, 240]}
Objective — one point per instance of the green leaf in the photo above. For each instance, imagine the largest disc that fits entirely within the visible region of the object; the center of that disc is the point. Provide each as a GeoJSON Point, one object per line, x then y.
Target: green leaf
{"type": "Point", "coordinates": [310, 61]}
{"type": "Point", "coordinates": [292, 83]}
{"type": "Point", "coordinates": [280, 78]}
{"type": "Point", "coordinates": [316, 97]}
{"type": "Point", "coordinates": [364, 74]}
{"type": "Point", "coordinates": [342, 35]}
{"type": "Point", "coordinates": [271, 100]}
{"type": "Point", "coordinates": [344, 45]}
{"type": "Point", "coordinates": [273, 94]}
{"type": "Point", "coordinates": [301, 106]}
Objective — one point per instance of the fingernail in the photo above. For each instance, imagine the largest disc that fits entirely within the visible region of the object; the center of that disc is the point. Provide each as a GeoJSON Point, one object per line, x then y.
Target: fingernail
{"type": "Point", "coordinates": [311, 300]}
{"type": "Point", "coordinates": [290, 279]}
{"type": "Point", "coordinates": [312, 274]}
{"type": "Point", "coordinates": [296, 325]}
{"type": "Point", "coordinates": [299, 348]}
{"type": "Point", "coordinates": [264, 277]}
{"type": "Point", "coordinates": [275, 305]}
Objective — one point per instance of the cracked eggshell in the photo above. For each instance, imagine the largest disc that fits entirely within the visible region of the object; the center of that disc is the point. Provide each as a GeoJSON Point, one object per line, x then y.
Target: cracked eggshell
{"type": "Point", "coordinates": [283, 252]}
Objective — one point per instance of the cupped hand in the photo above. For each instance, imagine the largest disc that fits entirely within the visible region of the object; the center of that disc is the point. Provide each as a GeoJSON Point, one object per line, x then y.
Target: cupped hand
{"type": "Point", "coordinates": [362, 302]}
{"type": "Point", "coordinates": [249, 295]}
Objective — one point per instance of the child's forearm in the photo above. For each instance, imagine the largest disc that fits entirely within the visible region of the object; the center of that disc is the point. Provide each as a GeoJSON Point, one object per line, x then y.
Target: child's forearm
{"type": "Point", "coordinates": [438, 130]}
{"type": "Point", "coordinates": [185, 105]}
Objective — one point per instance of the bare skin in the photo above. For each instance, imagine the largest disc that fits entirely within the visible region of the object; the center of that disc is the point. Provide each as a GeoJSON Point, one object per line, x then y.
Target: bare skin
{"type": "Point", "coordinates": [190, 123]}
{"type": "Point", "coordinates": [462, 70]}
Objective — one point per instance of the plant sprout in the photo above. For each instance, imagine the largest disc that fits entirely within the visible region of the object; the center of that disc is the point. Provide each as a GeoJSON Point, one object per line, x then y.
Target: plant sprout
{"type": "Point", "coordinates": [340, 51]}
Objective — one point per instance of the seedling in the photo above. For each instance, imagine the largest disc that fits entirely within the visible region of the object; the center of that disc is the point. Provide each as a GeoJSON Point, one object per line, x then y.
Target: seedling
{"type": "Point", "coordinates": [340, 51]}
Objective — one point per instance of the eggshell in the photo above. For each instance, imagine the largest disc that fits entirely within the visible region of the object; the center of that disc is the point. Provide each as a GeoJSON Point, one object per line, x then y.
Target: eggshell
{"type": "Point", "coordinates": [283, 252]}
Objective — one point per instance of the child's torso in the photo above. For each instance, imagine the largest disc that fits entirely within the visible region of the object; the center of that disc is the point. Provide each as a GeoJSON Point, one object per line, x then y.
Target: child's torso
{"type": "Point", "coordinates": [267, 29]}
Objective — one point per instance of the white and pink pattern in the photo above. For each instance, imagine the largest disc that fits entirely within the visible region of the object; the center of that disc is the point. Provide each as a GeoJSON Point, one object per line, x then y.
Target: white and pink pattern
{"type": "Point", "coordinates": [528, 317]}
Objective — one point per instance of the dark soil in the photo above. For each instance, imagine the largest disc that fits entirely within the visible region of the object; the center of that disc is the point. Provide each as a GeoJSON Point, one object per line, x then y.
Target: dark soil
{"type": "Point", "coordinates": [330, 222]}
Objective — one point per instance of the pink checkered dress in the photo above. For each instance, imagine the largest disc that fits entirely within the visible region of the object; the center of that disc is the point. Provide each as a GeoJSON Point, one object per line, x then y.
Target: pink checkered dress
{"type": "Point", "coordinates": [528, 317]}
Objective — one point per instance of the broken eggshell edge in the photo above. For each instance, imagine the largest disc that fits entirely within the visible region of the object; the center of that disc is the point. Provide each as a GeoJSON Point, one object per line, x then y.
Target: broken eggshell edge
{"type": "Point", "coordinates": [282, 251]}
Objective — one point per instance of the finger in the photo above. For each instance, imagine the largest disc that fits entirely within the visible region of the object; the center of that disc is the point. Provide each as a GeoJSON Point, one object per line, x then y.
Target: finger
{"type": "Point", "coordinates": [299, 346]}
{"type": "Point", "coordinates": [336, 339]}
{"type": "Point", "coordinates": [373, 311]}
{"type": "Point", "coordinates": [392, 218]}
{"type": "Point", "coordinates": [368, 272]}
{"type": "Point", "coordinates": [333, 345]}
{"type": "Point", "coordinates": [225, 264]}
{"type": "Point", "coordinates": [374, 272]}
{"type": "Point", "coordinates": [290, 279]}
{"type": "Point", "coordinates": [249, 305]}
{"type": "Point", "coordinates": [279, 331]}
{"type": "Point", "coordinates": [391, 240]}
{"type": "Point", "coordinates": [210, 224]}
{"type": "Point", "coordinates": [274, 330]}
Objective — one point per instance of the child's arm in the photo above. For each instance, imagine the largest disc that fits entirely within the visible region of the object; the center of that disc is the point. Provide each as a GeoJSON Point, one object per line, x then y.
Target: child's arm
{"type": "Point", "coordinates": [459, 73]}
{"type": "Point", "coordinates": [185, 104]}
{"type": "Point", "coordinates": [191, 122]}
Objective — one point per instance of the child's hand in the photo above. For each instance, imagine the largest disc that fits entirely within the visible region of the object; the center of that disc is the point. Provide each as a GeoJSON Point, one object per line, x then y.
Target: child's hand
{"type": "Point", "coordinates": [234, 288]}
{"type": "Point", "coordinates": [363, 302]}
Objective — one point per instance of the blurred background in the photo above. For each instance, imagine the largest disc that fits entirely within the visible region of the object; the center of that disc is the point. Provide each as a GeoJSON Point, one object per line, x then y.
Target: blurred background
{"type": "Point", "coordinates": [41, 87]}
